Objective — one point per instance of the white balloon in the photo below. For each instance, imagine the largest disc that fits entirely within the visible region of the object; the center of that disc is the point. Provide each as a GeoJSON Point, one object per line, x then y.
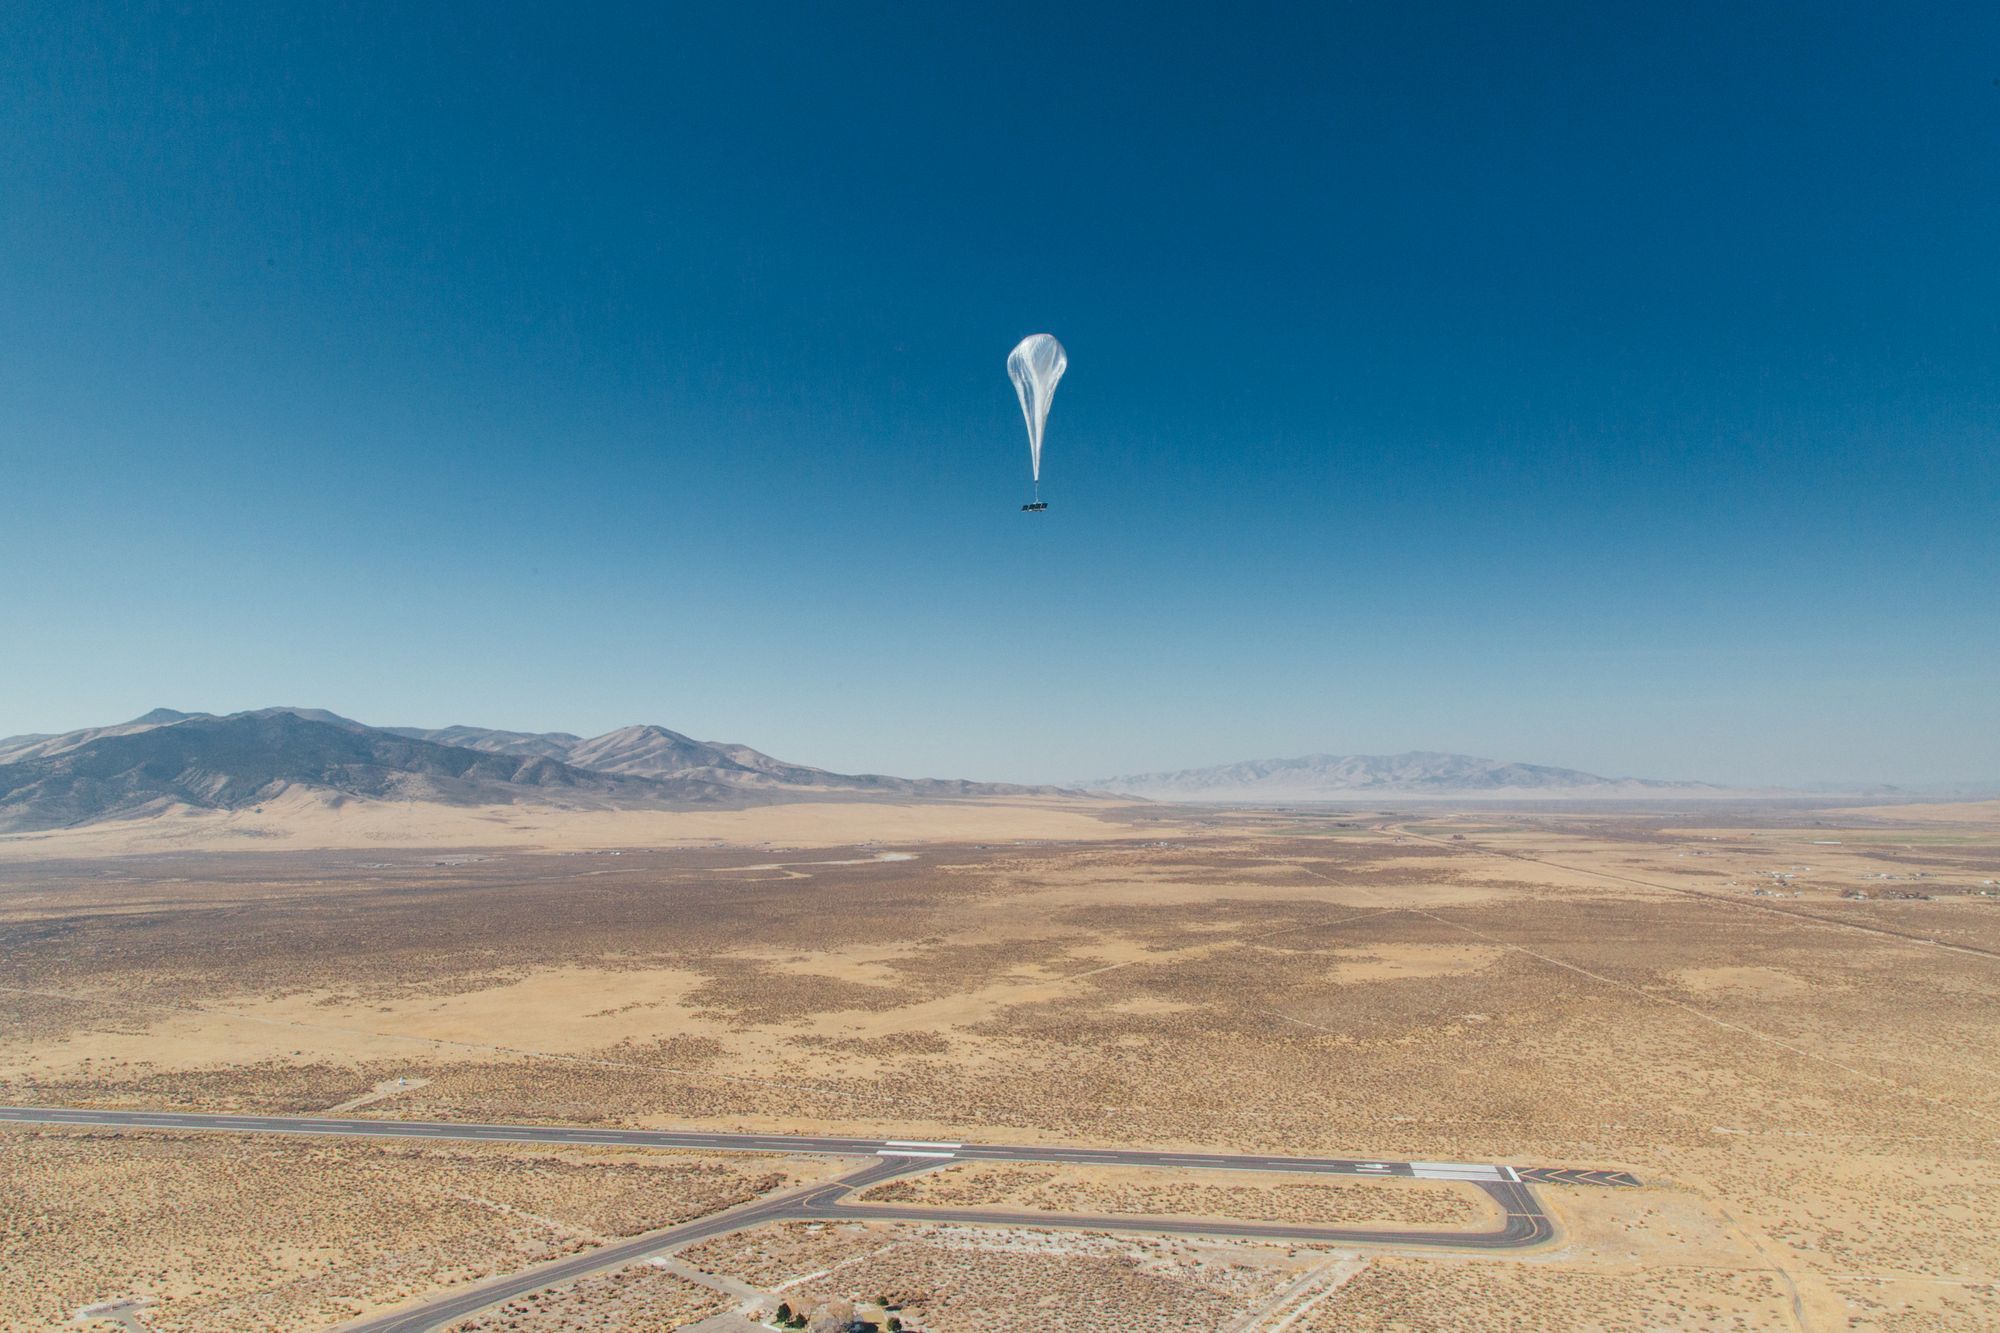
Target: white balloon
{"type": "Point", "coordinates": [1035, 367]}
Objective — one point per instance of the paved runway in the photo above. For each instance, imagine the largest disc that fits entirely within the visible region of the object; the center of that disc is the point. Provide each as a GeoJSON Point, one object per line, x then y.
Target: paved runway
{"type": "Point", "coordinates": [1522, 1223]}
{"type": "Point", "coordinates": [1475, 1172]}
{"type": "Point", "coordinates": [1522, 1220]}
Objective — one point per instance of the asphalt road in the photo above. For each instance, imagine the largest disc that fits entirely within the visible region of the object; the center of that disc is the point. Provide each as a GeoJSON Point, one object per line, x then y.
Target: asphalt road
{"type": "Point", "coordinates": [1522, 1223]}
{"type": "Point", "coordinates": [771, 1208]}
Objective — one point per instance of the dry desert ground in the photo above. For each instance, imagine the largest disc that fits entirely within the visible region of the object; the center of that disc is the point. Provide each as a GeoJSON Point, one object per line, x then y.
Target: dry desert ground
{"type": "Point", "coordinates": [1781, 1020]}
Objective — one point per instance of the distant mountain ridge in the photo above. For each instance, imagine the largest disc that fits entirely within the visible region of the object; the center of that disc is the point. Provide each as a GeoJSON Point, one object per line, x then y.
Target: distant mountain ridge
{"type": "Point", "coordinates": [168, 760]}
{"type": "Point", "coordinates": [1415, 773]}
{"type": "Point", "coordinates": [655, 752]}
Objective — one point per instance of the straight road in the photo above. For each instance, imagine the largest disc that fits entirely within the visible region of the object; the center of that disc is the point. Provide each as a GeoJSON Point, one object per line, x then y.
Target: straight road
{"type": "Point", "coordinates": [1477, 1173]}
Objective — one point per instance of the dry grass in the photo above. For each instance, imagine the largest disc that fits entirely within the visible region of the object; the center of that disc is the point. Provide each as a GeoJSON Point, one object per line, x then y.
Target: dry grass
{"type": "Point", "coordinates": [1246, 1196]}
{"type": "Point", "coordinates": [638, 1297]}
{"type": "Point", "coordinates": [1806, 1083]}
{"type": "Point", "coordinates": [229, 1234]}
{"type": "Point", "coordinates": [308, 821]}
{"type": "Point", "coordinates": [960, 1280]}
{"type": "Point", "coordinates": [1410, 1294]}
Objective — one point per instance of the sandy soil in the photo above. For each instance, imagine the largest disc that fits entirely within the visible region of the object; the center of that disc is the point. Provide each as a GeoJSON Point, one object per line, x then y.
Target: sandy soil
{"type": "Point", "coordinates": [638, 1297]}
{"type": "Point", "coordinates": [1251, 1196]}
{"type": "Point", "coordinates": [1404, 1294]}
{"type": "Point", "coordinates": [303, 821]}
{"type": "Point", "coordinates": [1783, 1025]}
{"type": "Point", "coordinates": [963, 1280]}
{"type": "Point", "coordinates": [222, 1236]}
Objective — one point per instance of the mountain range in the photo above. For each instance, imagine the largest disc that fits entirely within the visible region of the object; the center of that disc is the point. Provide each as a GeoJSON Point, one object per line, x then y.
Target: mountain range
{"type": "Point", "coordinates": [169, 760]}
{"type": "Point", "coordinates": [1322, 777]}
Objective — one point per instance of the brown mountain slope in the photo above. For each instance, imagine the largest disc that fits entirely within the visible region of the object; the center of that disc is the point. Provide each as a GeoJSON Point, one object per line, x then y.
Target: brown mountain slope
{"type": "Point", "coordinates": [231, 762]}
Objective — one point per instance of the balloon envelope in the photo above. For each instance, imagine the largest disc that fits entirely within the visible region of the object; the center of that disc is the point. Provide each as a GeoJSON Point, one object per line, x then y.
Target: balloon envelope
{"type": "Point", "coordinates": [1035, 366]}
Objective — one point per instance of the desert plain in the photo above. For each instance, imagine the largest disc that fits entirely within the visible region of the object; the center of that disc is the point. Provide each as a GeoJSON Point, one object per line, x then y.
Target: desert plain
{"type": "Point", "coordinates": [1778, 1019]}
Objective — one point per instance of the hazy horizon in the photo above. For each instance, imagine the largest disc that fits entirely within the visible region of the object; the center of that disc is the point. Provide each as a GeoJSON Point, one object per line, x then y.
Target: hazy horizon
{"type": "Point", "coordinates": [836, 764]}
{"type": "Point", "coordinates": [1609, 390]}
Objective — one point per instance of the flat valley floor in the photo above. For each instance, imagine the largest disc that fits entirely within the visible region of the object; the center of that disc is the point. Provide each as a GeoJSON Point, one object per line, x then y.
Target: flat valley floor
{"type": "Point", "coordinates": [1782, 1021]}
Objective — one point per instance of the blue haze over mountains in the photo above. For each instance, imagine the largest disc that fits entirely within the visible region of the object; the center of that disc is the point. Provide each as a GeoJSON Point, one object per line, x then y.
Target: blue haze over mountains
{"type": "Point", "coordinates": [169, 760]}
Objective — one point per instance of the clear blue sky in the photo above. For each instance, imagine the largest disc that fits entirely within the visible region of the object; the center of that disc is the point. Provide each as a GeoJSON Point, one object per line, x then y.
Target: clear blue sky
{"type": "Point", "coordinates": [1562, 383]}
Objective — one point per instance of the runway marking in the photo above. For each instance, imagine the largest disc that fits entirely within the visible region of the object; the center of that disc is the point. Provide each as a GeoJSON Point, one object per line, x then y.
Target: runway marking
{"type": "Point", "coordinates": [919, 1143]}
{"type": "Point", "coordinates": [911, 1152]}
{"type": "Point", "coordinates": [1562, 1175]}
